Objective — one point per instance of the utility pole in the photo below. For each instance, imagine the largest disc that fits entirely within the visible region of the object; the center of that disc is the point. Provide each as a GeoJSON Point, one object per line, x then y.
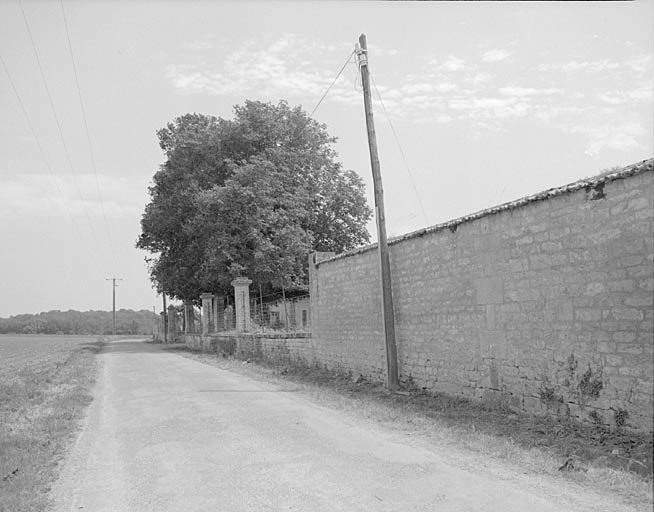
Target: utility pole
{"type": "Point", "coordinates": [113, 317]}
{"type": "Point", "coordinates": [165, 319]}
{"type": "Point", "coordinates": [387, 292]}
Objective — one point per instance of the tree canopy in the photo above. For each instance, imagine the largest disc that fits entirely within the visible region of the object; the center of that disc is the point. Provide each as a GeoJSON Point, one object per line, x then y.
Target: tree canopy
{"type": "Point", "coordinates": [80, 322]}
{"type": "Point", "coordinates": [251, 196]}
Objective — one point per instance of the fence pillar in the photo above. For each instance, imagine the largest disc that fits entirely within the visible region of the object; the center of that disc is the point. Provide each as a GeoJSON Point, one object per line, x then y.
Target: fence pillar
{"type": "Point", "coordinates": [207, 299]}
{"type": "Point", "coordinates": [218, 312]}
{"type": "Point", "coordinates": [242, 303]}
{"type": "Point", "coordinates": [172, 324]}
{"type": "Point", "coordinates": [189, 317]}
{"type": "Point", "coordinates": [228, 317]}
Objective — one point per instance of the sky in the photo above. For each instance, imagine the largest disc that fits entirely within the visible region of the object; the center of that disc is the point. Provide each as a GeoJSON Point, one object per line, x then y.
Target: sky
{"type": "Point", "coordinates": [490, 102]}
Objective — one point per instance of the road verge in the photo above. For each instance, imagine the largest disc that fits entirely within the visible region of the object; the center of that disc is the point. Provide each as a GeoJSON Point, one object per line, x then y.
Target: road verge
{"type": "Point", "coordinates": [41, 404]}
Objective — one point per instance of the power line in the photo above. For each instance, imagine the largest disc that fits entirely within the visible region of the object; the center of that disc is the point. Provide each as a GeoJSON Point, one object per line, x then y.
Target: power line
{"type": "Point", "coordinates": [349, 58]}
{"type": "Point", "coordinates": [397, 140]}
{"type": "Point", "coordinates": [45, 158]}
{"type": "Point", "coordinates": [54, 113]}
{"type": "Point", "coordinates": [86, 126]}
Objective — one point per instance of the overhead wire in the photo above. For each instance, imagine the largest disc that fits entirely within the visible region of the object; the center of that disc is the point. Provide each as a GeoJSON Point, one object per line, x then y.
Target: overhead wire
{"type": "Point", "coordinates": [413, 184]}
{"type": "Point", "coordinates": [59, 129]}
{"type": "Point", "coordinates": [349, 58]}
{"type": "Point", "coordinates": [46, 160]}
{"type": "Point", "coordinates": [340, 72]}
{"type": "Point", "coordinates": [399, 145]}
{"type": "Point", "coordinates": [86, 125]}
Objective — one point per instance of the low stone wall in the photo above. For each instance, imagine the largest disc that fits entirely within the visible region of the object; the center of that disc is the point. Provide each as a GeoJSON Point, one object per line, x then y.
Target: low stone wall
{"type": "Point", "coordinates": [269, 347]}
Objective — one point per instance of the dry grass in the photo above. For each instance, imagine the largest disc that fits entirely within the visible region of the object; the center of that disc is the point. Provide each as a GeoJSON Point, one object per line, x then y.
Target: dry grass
{"type": "Point", "coordinates": [538, 446]}
{"type": "Point", "coordinates": [44, 389]}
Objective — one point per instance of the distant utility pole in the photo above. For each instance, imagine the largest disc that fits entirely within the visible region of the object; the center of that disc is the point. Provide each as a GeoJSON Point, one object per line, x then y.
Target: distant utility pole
{"type": "Point", "coordinates": [113, 318]}
{"type": "Point", "coordinates": [387, 293]}
{"type": "Point", "coordinates": [165, 319]}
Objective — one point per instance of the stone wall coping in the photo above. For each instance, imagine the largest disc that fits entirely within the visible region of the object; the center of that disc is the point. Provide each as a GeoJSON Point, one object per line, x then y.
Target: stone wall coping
{"type": "Point", "coordinates": [587, 183]}
{"type": "Point", "coordinates": [241, 281]}
{"type": "Point", "coordinates": [259, 335]}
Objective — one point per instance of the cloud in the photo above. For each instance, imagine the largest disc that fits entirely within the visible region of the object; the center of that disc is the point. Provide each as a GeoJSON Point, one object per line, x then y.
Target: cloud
{"type": "Point", "coordinates": [375, 51]}
{"type": "Point", "coordinates": [22, 195]}
{"type": "Point", "coordinates": [640, 64]}
{"type": "Point", "coordinates": [270, 69]}
{"type": "Point", "coordinates": [592, 66]}
{"type": "Point", "coordinates": [642, 94]}
{"type": "Point", "coordinates": [452, 64]}
{"type": "Point", "coordinates": [479, 79]}
{"type": "Point", "coordinates": [283, 44]}
{"type": "Point", "coordinates": [490, 108]}
{"type": "Point", "coordinates": [548, 113]}
{"type": "Point", "coordinates": [445, 102]}
{"type": "Point", "coordinates": [529, 91]}
{"type": "Point", "coordinates": [617, 136]}
{"type": "Point", "coordinates": [430, 99]}
{"type": "Point", "coordinates": [445, 87]}
{"type": "Point", "coordinates": [496, 55]}
{"type": "Point", "coordinates": [424, 87]}
{"type": "Point", "coordinates": [196, 45]}
{"type": "Point", "coordinates": [445, 90]}
{"type": "Point", "coordinates": [275, 70]}
{"type": "Point", "coordinates": [417, 88]}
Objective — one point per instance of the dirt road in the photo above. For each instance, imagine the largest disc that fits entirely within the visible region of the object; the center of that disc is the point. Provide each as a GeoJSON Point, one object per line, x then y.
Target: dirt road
{"type": "Point", "coordinates": [167, 433]}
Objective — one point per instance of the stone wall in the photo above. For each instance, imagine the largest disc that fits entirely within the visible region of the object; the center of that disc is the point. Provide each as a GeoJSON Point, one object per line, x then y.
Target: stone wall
{"type": "Point", "coordinates": [269, 347]}
{"type": "Point", "coordinates": [545, 303]}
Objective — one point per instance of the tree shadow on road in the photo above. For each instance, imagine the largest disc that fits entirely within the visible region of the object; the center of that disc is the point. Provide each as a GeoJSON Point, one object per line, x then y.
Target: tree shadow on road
{"type": "Point", "coordinates": [94, 348]}
{"type": "Point", "coordinates": [131, 346]}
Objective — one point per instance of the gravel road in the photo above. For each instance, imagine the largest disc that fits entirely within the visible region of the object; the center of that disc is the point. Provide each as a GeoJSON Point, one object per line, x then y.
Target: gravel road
{"type": "Point", "coordinates": [168, 433]}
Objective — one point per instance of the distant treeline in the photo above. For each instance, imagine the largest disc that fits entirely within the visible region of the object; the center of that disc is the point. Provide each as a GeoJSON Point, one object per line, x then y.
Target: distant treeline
{"type": "Point", "coordinates": [80, 322]}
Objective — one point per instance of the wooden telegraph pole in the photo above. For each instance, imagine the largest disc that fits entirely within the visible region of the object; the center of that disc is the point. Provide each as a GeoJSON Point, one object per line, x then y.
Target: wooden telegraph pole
{"type": "Point", "coordinates": [165, 319]}
{"type": "Point", "coordinates": [387, 293]}
{"type": "Point", "coordinates": [113, 317]}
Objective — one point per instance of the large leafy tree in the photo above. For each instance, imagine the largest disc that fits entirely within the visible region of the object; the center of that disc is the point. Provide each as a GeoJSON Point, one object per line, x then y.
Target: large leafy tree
{"type": "Point", "coordinates": [249, 196]}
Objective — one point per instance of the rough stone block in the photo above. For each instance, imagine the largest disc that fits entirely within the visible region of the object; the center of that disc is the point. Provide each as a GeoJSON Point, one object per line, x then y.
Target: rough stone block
{"type": "Point", "coordinates": [588, 315]}
{"type": "Point", "coordinates": [489, 290]}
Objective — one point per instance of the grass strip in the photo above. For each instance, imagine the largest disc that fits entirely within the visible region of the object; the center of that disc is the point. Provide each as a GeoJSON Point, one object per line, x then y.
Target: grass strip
{"type": "Point", "coordinates": [40, 409]}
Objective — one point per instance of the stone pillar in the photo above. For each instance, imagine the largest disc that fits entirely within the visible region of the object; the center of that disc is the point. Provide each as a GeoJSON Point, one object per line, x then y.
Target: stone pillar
{"type": "Point", "coordinates": [207, 298]}
{"type": "Point", "coordinates": [228, 317]}
{"type": "Point", "coordinates": [242, 303]}
{"type": "Point", "coordinates": [172, 323]}
{"type": "Point", "coordinates": [189, 316]}
{"type": "Point", "coordinates": [218, 312]}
